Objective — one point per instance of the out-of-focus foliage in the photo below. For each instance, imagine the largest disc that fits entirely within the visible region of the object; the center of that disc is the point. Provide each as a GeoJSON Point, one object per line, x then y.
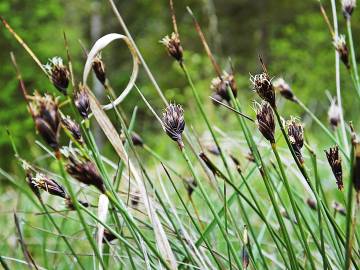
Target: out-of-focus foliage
{"type": "Point", "coordinates": [291, 35]}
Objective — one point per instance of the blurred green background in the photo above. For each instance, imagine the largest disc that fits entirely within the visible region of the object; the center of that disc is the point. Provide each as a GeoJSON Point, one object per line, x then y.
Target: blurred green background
{"type": "Point", "coordinates": [291, 35]}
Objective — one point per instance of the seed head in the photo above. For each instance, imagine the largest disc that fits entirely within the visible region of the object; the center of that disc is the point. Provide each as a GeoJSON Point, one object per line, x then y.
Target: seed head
{"type": "Point", "coordinates": [220, 86]}
{"type": "Point", "coordinates": [173, 46]}
{"type": "Point", "coordinates": [341, 47]}
{"type": "Point", "coordinates": [174, 123]}
{"type": "Point", "coordinates": [44, 110]}
{"type": "Point", "coordinates": [334, 160]}
{"type": "Point", "coordinates": [348, 7]}
{"type": "Point", "coordinates": [59, 73]}
{"type": "Point", "coordinates": [284, 89]}
{"type": "Point", "coordinates": [108, 236]}
{"type": "Point", "coordinates": [81, 101]}
{"type": "Point", "coordinates": [296, 137]}
{"type": "Point", "coordinates": [99, 69]}
{"type": "Point", "coordinates": [49, 185]}
{"type": "Point", "coordinates": [83, 170]}
{"type": "Point", "coordinates": [263, 87]}
{"type": "Point", "coordinates": [334, 114]}
{"type": "Point", "coordinates": [28, 176]}
{"type": "Point", "coordinates": [73, 128]}
{"type": "Point", "coordinates": [265, 121]}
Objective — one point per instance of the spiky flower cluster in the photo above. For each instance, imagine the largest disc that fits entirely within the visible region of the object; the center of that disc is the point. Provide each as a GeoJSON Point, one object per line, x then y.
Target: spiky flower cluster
{"type": "Point", "coordinates": [265, 121]}
{"type": "Point", "coordinates": [264, 88]}
{"type": "Point", "coordinates": [334, 114]}
{"type": "Point", "coordinates": [173, 46]}
{"type": "Point", "coordinates": [296, 136]}
{"type": "Point", "coordinates": [284, 89]}
{"type": "Point", "coordinates": [59, 73]}
{"type": "Point", "coordinates": [99, 69]}
{"type": "Point", "coordinates": [81, 101]}
{"type": "Point", "coordinates": [220, 87]}
{"type": "Point", "coordinates": [41, 181]}
{"type": "Point", "coordinates": [334, 160]}
{"type": "Point", "coordinates": [341, 47]}
{"type": "Point", "coordinates": [348, 7]}
{"type": "Point", "coordinates": [174, 123]}
{"type": "Point", "coordinates": [44, 110]}
{"type": "Point", "coordinates": [73, 128]}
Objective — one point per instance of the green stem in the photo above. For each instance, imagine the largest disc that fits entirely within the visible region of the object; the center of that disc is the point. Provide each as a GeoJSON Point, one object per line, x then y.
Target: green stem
{"type": "Point", "coordinates": [353, 57]}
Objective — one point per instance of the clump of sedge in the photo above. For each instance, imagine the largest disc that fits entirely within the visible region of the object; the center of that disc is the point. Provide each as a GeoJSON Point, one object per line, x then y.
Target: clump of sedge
{"type": "Point", "coordinates": [44, 110]}
{"type": "Point", "coordinates": [265, 121]}
{"type": "Point", "coordinates": [174, 123]}
{"type": "Point", "coordinates": [173, 46]}
{"type": "Point", "coordinates": [334, 160]}
{"type": "Point", "coordinates": [59, 73]}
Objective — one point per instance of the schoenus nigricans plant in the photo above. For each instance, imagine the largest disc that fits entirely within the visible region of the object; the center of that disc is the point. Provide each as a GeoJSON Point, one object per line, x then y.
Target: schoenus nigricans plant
{"type": "Point", "coordinates": [295, 132]}
{"type": "Point", "coordinates": [44, 110]}
{"type": "Point", "coordinates": [263, 86]}
{"type": "Point", "coordinates": [284, 89]}
{"type": "Point", "coordinates": [174, 123]}
{"type": "Point", "coordinates": [334, 160]}
{"type": "Point", "coordinates": [73, 128]}
{"type": "Point", "coordinates": [173, 46]}
{"type": "Point", "coordinates": [348, 8]}
{"type": "Point", "coordinates": [83, 169]}
{"type": "Point", "coordinates": [341, 47]}
{"type": "Point", "coordinates": [220, 86]}
{"type": "Point", "coordinates": [99, 69]}
{"type": "Point", "coordinates": [265, 121]}
{"type": "Point", "coordinates": [81, 101]}
{"type": "Point", "coordinates": [59, 73]}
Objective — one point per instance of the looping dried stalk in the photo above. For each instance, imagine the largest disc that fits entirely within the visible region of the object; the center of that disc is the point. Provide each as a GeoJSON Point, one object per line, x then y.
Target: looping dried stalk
{"type": "Point", "coordinates": [99, 45]}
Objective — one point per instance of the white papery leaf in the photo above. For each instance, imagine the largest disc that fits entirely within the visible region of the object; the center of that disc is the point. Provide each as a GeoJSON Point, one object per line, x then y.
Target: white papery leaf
{"type": "Point", "coordinates": [99, 45]}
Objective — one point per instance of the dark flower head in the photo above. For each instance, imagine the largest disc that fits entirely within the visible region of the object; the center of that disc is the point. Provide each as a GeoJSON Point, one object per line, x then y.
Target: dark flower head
{"type": "Point", "coordinates": [43, 182]}
{"type": "Point", "coordinates": [220, 86]}
{"type": "Point", "coordinates": [44, 110]}
{"type": "Point", "coordinates": [296, 137]}
{"type": "Point", "coordinates": [311, 203]}
{"type": "Point", "coordinates": [81, 101]}
{"type": "Point", "coordinates": [83, 169]}
{"type": "Point", "coordinates": [334, 114]}
{"type": "Point", "coordinates": [174, 123]}
{"type": "Point", "coordinates": [341, 47]}
{"type": "Point", "coordinates": [348, 7]}
{"type": "Point", "coordinates": [263, 87]}
{"type": "Point", "coordinates": [334, 160]}
{"type": "Point", "coordinates": [73, 128]}
{"type": "Point", "coordinates": [173, 46]}
{"type": "Point", "coordinates": [265, 121]}
{"type": "Point", "coordinates": [99, 69]}
{"type": "Point", "coordinates": [108, 236]}
{"type": "Point", "coordinates": [284, 89]}
{"type": "Point", "coordinates": [356, 169]}
{"type": "Point", "coordinates": [28, 176]}
{"type": "Point", "coordinates": [135, 138]}
{"type": "Point", "coordinates": [59, 73]}
{"type": "Point", "coordinates": [216, 97]}
{"type": "Point", "coordinates": [338, 208]}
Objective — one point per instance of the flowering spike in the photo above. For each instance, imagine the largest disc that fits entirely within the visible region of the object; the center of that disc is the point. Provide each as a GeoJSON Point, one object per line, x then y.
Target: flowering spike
{"type": "Point", "coordinates": [341, 47]}
{"type": "Point", "coordinates": [73, 128]}
{"type": "Point", "coordinates": [174, 123]}
{"type": "Point", "coordinates": [263, 87]}
{"type": "Point", "coordinates": [43, 182]}
{"type": "Point", "coordinates": [81, 101]}
{"type": "Point", "coordinates": [59, 73]}
{"type": "Point", "coordinates": [173, 46]}
{"type": "Point", "coordinates": [265, 121]}
{"type": "Point", "coordinates": [296, 137]}
{"type": "Point", "coordinates": [284, 89]}
{"type": "Point", "coordinates": [220, 86]}
{"type": "Point", "coordinates": [99, 69]}
{"type": "Point", "coordinates": [334, 114]}
{"type": "Point", "coordinates": [348, 7]}
{"type": "Point", "coordinates": [334, 160]}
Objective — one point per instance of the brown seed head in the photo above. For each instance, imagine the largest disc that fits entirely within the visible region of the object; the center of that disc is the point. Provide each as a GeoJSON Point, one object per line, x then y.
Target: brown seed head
{"type": "Point", "coordinates": [348, 7]}
{"type": "Point", "coordinates": [99, 69]}
{"type": "Point", "coordinates": [220, 86]}
{"type": "Point", "coordinates": [173, 46]}
{"type": "Point", "coordinates": [296, 136]}
{"type": "Point", "coordinates": [334, 160]}
{"type": "Point", "coordinates": [174, 123]}
{"type": "Point", "coordinates": [284, 89]}
{"type": "Point", "coordinates": [44, 110]}
{"type": "Point", "coordinates": [59, 73]}
{"type": "Point", "coordinates": [265, 121]}
{"type": "Point", "coordinates": [341, 47]}
{"type": "Point", "coordinates": [28, 176]}
{"type": "Point", "coordinates": [83, 170]}
{"type": "Point", "coordinates": [263, 87]}
{"type": "Point", "coordinates": [81, 101]}
{"type": "Point", "coordinates": [43, 182]}
{"type": "Point", "coordinates": [334, 114]}
{"type": "Point", "coordinates": [73, 128]}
